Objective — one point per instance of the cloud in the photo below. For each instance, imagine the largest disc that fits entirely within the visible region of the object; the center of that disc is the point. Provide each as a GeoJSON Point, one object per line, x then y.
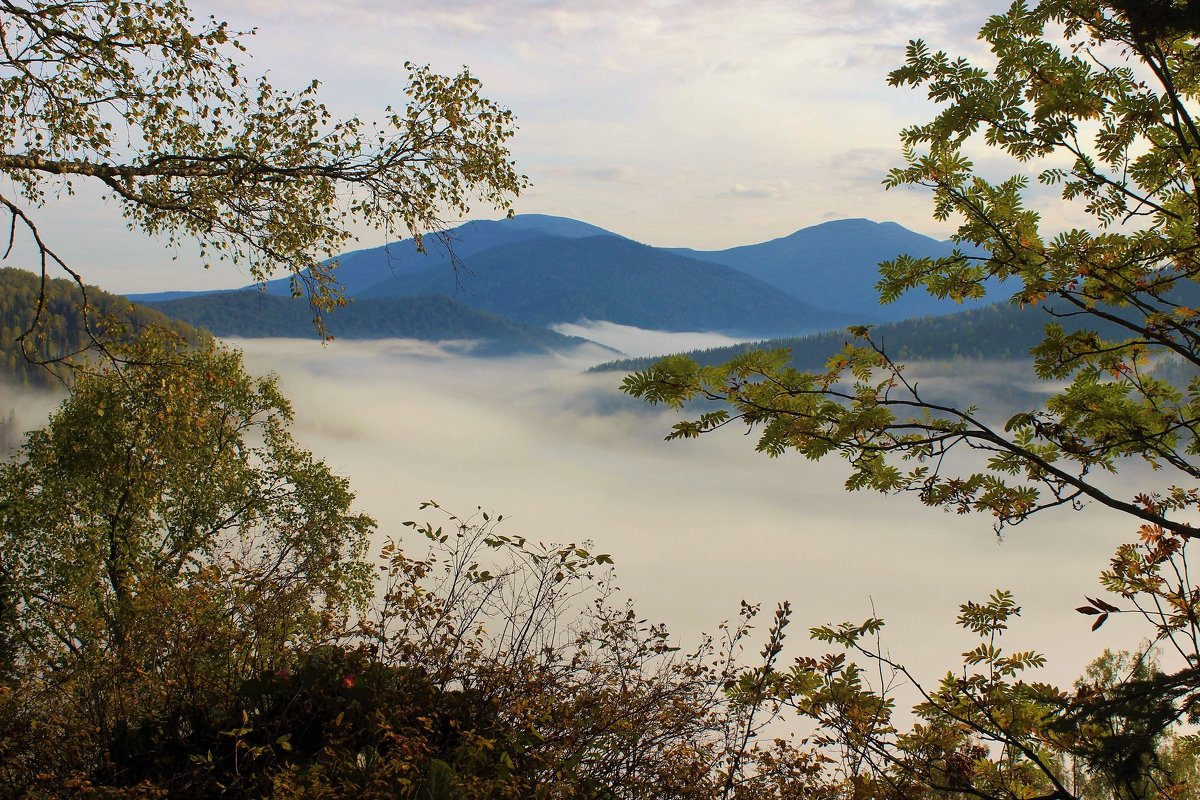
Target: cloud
{"type": "Point", "coordinates": [614, 174]}
{"type": "Point", "coordinates": [742, 191]}
{"type": "Point", "coordinates": [859, 165]}
{"type": "Point", "coordinates": [633, 341]}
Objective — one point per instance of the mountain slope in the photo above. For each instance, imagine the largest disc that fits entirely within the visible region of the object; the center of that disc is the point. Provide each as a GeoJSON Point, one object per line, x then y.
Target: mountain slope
{"type": "Point", "coordinates": [360, 269]}
{"type": "Point", "coordinates": [1000, 331]}
{"type": "Point", "coordinates": [364, 268]}
{"type": "Point", "coordinates": [111, 318]}
{"type": "Point", "coordinates": [253, 314]}
{"type": "Point", "coordinates": [549, 280]}
{"type": "Point", "coordinates": [542, 270]}
{"type": "Point", "coordinates": [835, 265]}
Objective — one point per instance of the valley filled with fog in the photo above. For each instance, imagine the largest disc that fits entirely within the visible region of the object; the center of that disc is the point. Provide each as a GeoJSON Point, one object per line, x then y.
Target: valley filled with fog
{"type": "Point", "coordinates": [694, 526]}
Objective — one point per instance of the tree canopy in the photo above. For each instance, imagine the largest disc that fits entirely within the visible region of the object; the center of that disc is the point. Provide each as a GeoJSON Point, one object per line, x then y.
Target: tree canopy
{"type": "Point", "coordinates": [154, 104]}
{"type": "Point", "coordinates": [1084, 101]}
{"type": "Point", "coordinates": [163, 538]}
{"type": "Point", "coordinates": [1095, 100]}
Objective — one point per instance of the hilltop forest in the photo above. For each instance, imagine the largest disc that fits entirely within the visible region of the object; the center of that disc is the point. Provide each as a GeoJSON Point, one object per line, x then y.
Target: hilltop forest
{"type": "Point", "coordinates": [47, 328]}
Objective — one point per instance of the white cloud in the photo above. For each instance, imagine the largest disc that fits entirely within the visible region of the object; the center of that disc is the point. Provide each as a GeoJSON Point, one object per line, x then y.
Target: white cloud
{"type": "Point", "coordinates": [741, 190]}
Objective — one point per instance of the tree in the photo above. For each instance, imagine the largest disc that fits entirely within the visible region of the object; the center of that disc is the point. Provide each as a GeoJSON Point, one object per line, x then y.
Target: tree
{"type": "Point", "coordinates": [597, 701]}
{"type": "Point", "coordinates": [1117, 108]}
{"type": "Point", "coordinates": [489, 667]}
{"type": "Point", "coordinates": [161, 541]}
{"type": "Point", "coordinates": [1097, 100]}
{"type": "Point", "coordinates": [154, 105]}
{"type": "Point", "coordinates": [986, 730]}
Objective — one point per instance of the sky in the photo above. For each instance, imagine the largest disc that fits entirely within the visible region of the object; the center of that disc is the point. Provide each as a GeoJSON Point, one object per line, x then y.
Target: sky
{"type": "Point", "coordinates": [705, 123]}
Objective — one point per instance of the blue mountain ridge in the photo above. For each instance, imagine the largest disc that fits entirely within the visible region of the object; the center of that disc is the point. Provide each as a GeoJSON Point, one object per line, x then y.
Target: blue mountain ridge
{"type": "Point", "coordinates": [540, 269]}
{"type": "Point", "coordinates": [362, 269]}
{"type": "Point", "coordinates": [834, 265]}
{"type": "Point", "coordinates": [551, 280]}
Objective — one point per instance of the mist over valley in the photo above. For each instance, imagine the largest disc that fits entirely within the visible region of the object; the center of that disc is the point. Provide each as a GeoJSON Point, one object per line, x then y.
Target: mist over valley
{"type": "Point", "coordinates": [694, 527]}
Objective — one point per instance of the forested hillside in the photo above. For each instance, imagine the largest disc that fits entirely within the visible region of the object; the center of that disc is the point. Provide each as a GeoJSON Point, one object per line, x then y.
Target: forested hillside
{"type": "Point", "coordinates": [1001, 331]}
{"type": "Point", "coordinates": [435, 318]}
{"type": "Point", "coordinates": [63, 330]}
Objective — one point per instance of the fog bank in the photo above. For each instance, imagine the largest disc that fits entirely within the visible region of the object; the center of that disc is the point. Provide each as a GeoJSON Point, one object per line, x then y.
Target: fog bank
{"type": "Point", "coordinates": [694, 526]}
{"type": "Point", "coordinates": [634, 342]}
{"type": "Point", "coordinates": [22, 409]}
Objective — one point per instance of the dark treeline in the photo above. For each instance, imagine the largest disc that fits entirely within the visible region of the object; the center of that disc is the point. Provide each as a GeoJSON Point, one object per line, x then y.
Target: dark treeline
{"type": "Point", "coordinates": [996, 332]}
{"type": "Point", "coordinates": [431, 318]}
{"type": "Point", "coordinates": [63, 329]}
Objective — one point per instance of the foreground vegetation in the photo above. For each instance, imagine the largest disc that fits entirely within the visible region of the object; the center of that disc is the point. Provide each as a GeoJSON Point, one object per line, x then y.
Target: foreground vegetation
{"type": "Point", "coordinates": [188, 608]}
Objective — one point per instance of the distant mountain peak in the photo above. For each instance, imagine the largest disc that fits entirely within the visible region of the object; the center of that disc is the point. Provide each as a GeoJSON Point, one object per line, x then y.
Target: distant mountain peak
{"type": "Point", "coordinates": [834, 265]}
{"type": "Point", "coordinates": [550, 225]}
{"type": "Point", "coordinates": [849, 226]}
{"type": "Point", "coordinates": [360, 269]}
{"type": "Point", "coordinates": [542, 269]}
